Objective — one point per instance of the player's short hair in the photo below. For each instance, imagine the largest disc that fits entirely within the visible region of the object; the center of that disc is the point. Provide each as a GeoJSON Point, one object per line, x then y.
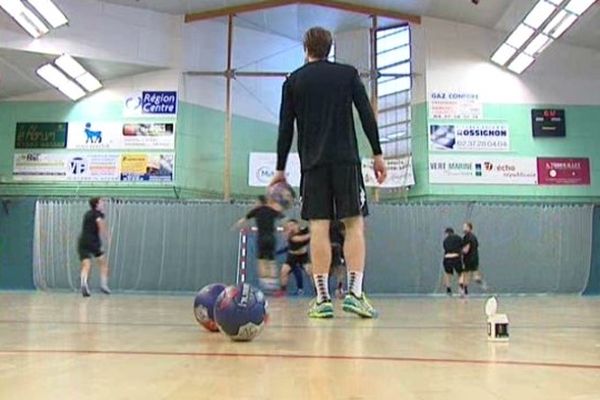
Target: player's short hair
{"type": "Point", "coordinates": [318, 42]}
{"type": "Point", "coordinates": [469, 224]}
{"type": "Point", "coordinates": [449, 231]}
{"type": "Point", "coordinates": [262, 199]}
{"type": "Point", "coordinates": [93, 202]}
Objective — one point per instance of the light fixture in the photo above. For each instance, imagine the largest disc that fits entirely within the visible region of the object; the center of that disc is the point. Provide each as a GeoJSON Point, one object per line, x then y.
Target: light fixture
{"type": "Point", "coordinates": [579, 6]}
{"type": "Point", "coordinates": [89, 82]}
{"type": "Point", "coordinates": [25, 17]}
{"type": "Point", "coordinates": [70, 66]}
{"type": "Point", "coordinates": [520, 63]}
{"type": "Point", "coordinates": [50, 12]}
{"type": "Point", "coordinates": [520, 36]}
{"type": "Point", "coordinates": [538, 44]}
{"type": "Point", "coordinates": [60, 81]}
{"type": "Point", "coordinates": [563, 25]}
{"type": "Point", "coordinates": [539, 14]}
{"type": "Point", "coordinates": [503, 54]}
{"type": "Point", "coordinates": [556, 2]}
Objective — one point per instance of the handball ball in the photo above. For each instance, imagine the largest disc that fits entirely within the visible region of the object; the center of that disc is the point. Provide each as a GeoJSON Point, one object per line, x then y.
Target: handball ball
{"type": "Point", "coordinates": [241, 312]}
{"type": "Point", "coordinates": [283, 194]}
{"type": "Point", "coordinates": [204, 305]}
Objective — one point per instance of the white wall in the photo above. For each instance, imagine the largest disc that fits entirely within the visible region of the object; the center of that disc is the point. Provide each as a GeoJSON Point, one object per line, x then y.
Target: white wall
{"type": "Point", "coordinates": [457, 59]}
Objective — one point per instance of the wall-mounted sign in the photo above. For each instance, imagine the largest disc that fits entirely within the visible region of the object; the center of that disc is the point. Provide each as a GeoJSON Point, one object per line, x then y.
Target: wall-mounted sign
{"type": "Point", "coordinates": [139, 167]}
{"type": "Point", "coordinates": [548, 123]}
{"type": "Point", "coordinates": [41, 135]}
{"type": "Point", "coordinates": [455, 105]}
{"type": "Point", "coordinates": [261, 169]}
{"type": "Point", "coordinates": [93, 167]}
{"type": "Point", "coordinates": [149, 136]}
{"type": "Point", "coordinates": [116, 135]}
{"type": "Point", "coordinates": [151, 103]}
{"type": "Point", "coordinates": [476, 137]}
{"type": "Point", "coordinates": [452, 169]}
{"type": "Point", "coordinates": [564, 171]}
{"type": "Point", "coordinates": [39, 167]}
{"type": "Point", "coordinates": [399, 174]}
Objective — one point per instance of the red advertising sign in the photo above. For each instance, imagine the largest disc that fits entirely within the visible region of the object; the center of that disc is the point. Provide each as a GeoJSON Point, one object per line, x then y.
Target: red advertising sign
{"type": "Point", "coordinates": [563, 171]}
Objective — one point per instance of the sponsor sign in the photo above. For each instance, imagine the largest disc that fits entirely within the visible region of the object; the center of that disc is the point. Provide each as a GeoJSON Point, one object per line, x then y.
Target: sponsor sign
{"type": "Point", "coordinates": [94, 136]}
{"type": "Point", "coordinates": [564, 171]}
{"type": "Point", "coordinates": [41, 135]}
{"type": "Point", "coordinates": [548, 123]}
{"type": "Point", "coordinates": [261, 169]}
{"type": "Point", "coordinates": [400, 173]}
{"type": "Point", "coordinates": [455, 105]}
{"type": "Point", "coordinates": [39, 167]}
{"type": "Point", "coordinates": [451, 169]}
{"type": "Point", "coordinates": [476, 137]}
{"type": "Point", "coordinates": [149, 135]}
{"type": "Point", "coordinates": [151, 103]}
{"type": "Point", "coordinates": [93, 167]}
{"type": "Point", "coordinates": [142, 167]}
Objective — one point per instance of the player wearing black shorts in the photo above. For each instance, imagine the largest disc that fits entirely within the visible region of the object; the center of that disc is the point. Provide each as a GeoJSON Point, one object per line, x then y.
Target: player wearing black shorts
{"type": "Point", "coordinates": [265, 217]}
{"type": "Point", "coordinates": [298, 259]}
{"type": "Point", "coordinates": [89, 245]}
{"type": "Point", "coordinates": [338, 265]}
{"type": "Point", "coordinates": [453, 245]}
{"type": "Point", "coordinates": [318, 98]}
{"type": "Point", "coordinates": [470, 258]}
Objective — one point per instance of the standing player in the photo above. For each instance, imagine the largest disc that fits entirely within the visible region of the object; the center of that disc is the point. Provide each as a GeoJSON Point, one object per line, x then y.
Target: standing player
{"type": "Point", "coordinates": [318, 97]}
{"type": "Point", "coordinates": [90, 245]}
{"type": "Point", "coordinates": [453, 246]}
{"type": "Point", "coordinates": [336, 235]}
{"type": "Point", "coordinates": [470, 258]}
{"type": "Point", "coordinates": [265, 216]}
{"type": "Point", "coordinates": [298, 259]}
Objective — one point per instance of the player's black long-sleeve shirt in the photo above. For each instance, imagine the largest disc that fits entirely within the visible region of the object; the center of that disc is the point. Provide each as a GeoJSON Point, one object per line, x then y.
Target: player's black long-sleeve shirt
{"type": "Point", "coordinates": [319, 97]}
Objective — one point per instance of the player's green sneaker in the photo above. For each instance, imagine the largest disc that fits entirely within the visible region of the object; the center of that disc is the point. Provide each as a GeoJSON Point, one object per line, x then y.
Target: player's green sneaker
{"type": "Point", "coordinates": [359, 306]}
{"type": "Point", "coordinates": [320, 310]}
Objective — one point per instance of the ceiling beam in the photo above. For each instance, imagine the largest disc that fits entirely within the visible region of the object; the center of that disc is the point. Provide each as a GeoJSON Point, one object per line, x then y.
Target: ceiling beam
{"type": "Point", "coordinates": [335, 4]}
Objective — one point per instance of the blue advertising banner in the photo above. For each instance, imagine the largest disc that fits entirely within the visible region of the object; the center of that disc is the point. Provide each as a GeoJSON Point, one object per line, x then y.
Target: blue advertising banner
{"type": "Point", "coordinates": [151, 103]}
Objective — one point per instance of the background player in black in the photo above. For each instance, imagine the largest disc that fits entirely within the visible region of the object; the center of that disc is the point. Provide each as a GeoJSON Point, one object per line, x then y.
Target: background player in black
{"type": "Point", "coordinates": [298, 259]}
{"type": "Point", "coordinates": [318, 97]}
{"type": "Point", "coordinates": [338, 270]}
{"type": "Point", "coordinates": [89, 245]}
{"type": "Point", "coordinates": [265, 216]}
{"type": "Point", "coordinates": [453, 246]}
{"type": "Point", "coordinates": [470, 258]}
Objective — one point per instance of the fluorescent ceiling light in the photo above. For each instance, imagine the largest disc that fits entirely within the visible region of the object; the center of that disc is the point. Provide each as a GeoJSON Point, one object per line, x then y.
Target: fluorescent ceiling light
{"type": "Point", "coordinates": [539, 14]}
{"type": "Point", "coordinates": [564, 24]}
{"type": "Point", "coordinates": [24, 17]}
{"type": "Point", "coordinates": [56, 78]}
{"type": "Point", "coordinates": [70, 66]}
{"type": "Point", "coordinates": [579, 6]}
{"type": "Point", "coordinates": [50, 12]}
{"type": "Point", "coordinates": [89, 82]}
{"type": "Point", "coordinates": [520, 36]}
{"type": "Point", "coordinates": [538, 44]}
{"type": "Point", "coordinates": [520, 63]}
{"type": "Point", "coordinates": [503, 54]}
{"type": "Point", "coordinates": [556, 2]}
{"type": "Point", "coordinates": [555, 21]}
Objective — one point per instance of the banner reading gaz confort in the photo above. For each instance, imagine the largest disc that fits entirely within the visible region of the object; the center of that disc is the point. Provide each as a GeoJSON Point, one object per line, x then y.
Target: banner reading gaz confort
{"type": "Point", "coordinates": [261, 169]}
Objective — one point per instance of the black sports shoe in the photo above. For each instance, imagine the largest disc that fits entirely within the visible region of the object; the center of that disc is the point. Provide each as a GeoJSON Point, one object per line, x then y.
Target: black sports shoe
{"type": "Point", "coordinates": [85, 291]}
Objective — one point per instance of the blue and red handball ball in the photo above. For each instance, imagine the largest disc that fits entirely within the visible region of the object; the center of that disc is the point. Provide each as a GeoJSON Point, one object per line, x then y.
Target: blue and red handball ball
{"type": "Point", "coordinates": [241, 312]}
{"type": "Point", "coordinates": [204, 305]}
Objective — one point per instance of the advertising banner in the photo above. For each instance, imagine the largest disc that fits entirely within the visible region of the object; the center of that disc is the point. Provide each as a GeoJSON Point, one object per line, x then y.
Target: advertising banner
{"type": "Point", "coordinates": [146, 167]}
{"type": "Point", "coordinates": [151, 103]}
{"type": "Point", "coordinates": [261, 169]}
{"type": "Point", "coordinates": [451, 169]}
{"type": "Point", "coordinates": [564, 171]}
{"type": "Point", "coordinates": [41, 135]}
{"type": "Point", "coordinates": [39, 167]}
{"type": "Point", "coordinates": [93, 167]}
{"type": "Point", "coordinates": [94, 136]}
{"type": "Point", "coordinates": [149, 136]}
{"type": "Point", "coordinates": [455, 105]}
{"type": "Point", "coordinates": [400, 173]}
{"type": "Point", "coordinates": [475, 137]}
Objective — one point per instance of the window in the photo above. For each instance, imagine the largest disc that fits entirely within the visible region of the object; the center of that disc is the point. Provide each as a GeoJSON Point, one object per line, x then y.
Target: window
{"type": "Point", "coordinates": [393, 90]}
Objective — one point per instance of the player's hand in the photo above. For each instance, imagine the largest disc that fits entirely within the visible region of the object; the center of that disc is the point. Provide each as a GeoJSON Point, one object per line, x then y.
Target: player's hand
{"type": "Point", "coordinates": [380, 169]}
{"type": "Point", "coordinates": [278, 177]}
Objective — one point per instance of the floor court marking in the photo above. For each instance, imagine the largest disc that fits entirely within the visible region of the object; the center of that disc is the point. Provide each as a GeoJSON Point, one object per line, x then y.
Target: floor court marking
{"type": "Point", "coordinates": [305, 357]}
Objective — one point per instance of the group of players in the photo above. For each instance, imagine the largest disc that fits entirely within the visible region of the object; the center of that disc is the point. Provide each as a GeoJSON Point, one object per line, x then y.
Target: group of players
{"type": "Point", "coordinates": [461, 256]}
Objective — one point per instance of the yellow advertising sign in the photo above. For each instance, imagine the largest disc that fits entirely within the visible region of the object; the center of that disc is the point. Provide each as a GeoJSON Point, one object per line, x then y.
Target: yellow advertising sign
{"type": "Point", "coordinates": [134, 163]}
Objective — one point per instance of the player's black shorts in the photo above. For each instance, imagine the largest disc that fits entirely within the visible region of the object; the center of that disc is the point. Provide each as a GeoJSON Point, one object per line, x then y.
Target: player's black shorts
{"type": "Point", "coordinates": [89, 250]}
{"type": "Point", "coordinates": [453, 265]}
{"type": "Point", "coordinates": [333, 192]}
{"type": "Point", "coordinates": [471, 265]}
{"type": "Point", "coordinates": [294, 260]}
{"type": "Point", "coordinates": [266, 247]}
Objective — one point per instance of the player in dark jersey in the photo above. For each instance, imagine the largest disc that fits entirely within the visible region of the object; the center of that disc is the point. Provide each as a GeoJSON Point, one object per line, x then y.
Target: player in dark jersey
{"type": "Point", "coordinates": [470, 259]}
{"type": "Point", "coordinates": [265, 217]}
{"type": "Point", "coordinates": [453, 245]}
{"type": "Point", "coordinates": [298, 259]}
{"type": "Point", "coordinates": [318, 98]}
{"type": "Point", "coordinates": [89, 245]}
{"type": "Point", "coordinates": [338, 265]}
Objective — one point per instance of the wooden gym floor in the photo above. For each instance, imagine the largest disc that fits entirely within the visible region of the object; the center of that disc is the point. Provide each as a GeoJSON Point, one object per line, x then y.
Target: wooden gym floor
{"type": "Point", "coordinates": [61, 346]}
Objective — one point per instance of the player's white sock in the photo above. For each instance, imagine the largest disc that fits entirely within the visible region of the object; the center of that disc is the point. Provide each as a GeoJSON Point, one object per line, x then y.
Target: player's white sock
{"type": "Point", "coordinates": [355, 280]}
{"type": "Point", "coordinates": [322, 287]}
{"type": "Point", "coordinates": [104, 281]}
{"type": "Point", "coordinates": [84, 279]}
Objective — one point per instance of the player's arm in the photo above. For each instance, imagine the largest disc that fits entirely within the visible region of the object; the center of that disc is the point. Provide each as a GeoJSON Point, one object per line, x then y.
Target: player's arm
{"type": "Point", "coordinates": [466, 248]}
{"type": "Point", "coordinates": [287, 117]}
{"type": "Point", "coordinates": [103, 230]}
{"type": "Point", "coordinates": [242, 221]}
{"type": "Point", "coordinates": [369, 125]}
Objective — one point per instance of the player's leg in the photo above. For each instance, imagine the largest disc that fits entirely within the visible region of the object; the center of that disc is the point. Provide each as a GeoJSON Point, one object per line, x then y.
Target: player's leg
{"type": "Point", "coordinates": [284, 276]}
{"type": "Point", "coordinates": [86, 266]}
{"type": "Point", "coordinates": [448, 275]}
{"type": "Point", "coordinates": [298, 276]}
{"type": "Point", "coordinates": [104, 272]}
